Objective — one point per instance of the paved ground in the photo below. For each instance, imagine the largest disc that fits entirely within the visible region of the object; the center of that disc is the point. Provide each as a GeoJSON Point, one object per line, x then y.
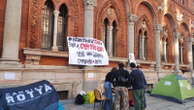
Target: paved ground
{"type": "Point", "coordinates": [153, 103]}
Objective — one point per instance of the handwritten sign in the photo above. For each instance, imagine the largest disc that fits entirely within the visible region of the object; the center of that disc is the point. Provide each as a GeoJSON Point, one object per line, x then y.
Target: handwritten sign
{"type": "Point", "coordinates": [132, 58]}
{"type": "Point", "coordinates": [87, 51]}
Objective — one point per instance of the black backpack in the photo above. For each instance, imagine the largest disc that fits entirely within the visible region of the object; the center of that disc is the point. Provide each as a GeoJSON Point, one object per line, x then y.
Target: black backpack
{"type": "Point", "coordinates": [79, 99]}
{"type": "Point", "coordinates": [122, 79]}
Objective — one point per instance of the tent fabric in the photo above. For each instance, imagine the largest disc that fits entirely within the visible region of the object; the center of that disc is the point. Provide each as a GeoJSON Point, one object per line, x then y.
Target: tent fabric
{"type": "Point", "coordinates": [174, 86]}
{"type": "Point", "coordinates": [37, 96]}
{"type": "Point", "coordinates": [60, 106]}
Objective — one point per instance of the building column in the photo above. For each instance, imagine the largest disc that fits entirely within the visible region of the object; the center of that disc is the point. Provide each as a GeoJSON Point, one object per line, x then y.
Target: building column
{"type": "Point", "coordinates": [89, 17]}
{"type": "Point", "coordinates": [12, 29]}
{"type": "Point", "coordinates": [54, 47]}
{"type": "Point", "coordinates": [142, 47]}
{"type": "Point", "coordinates": [176, 44]}
{"type": "Point", "coordinates": [131, 21]}
{"type": "Point", "coordinates": [164, 50]}
{"type": "Point", "coordinates": [110, 40]}
{"type": "Point", "coordinates": [157, 30]}
{"type": "Point", "coordinates": [190, 56]}
{"type": "Point", "coordinates": [181, 54]}
{"type": "Point", "coordinates": [92, 83]}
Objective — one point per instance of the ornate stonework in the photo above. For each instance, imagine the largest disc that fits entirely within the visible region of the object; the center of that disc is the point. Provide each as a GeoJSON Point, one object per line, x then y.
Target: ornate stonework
{"type": "Point", "coordinates": [35, 23]}
{"type": "Point", "coordinates": [32, 59]}
{"type": "Point", "coordinates": [177, 35]}
{"type": "Point", "coordinates": [132, 17]}
{"type": "Point", "coordinates": [90, 3]}
{"type": "Point", "coordinates": [158, 27]}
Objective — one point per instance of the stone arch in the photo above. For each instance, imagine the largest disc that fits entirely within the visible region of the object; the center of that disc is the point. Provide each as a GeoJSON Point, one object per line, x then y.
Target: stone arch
{"type": "Point", "coordinates": [151, 6]}
{"type": "Point", "coordinates": [172, 21]}
{"type": "Point", "coordinates": [119, 16]}
{"type": "Point", "coordinates": [114, 24]}
{"type": "Point", "coordinates": [106, 23]}
{"type": "Point", "coordinates": [75, 8]}
{"type": "Point", "coordinates": [169, 26]}
{"type": "Point", "coordinates": [44, 1]}
{"type": "Point", "coordinates": [184, 31]}
{"type": "Point", "coordinates": [62, 28]}
{"type": "Point", "coordinates": [75, 21]}
{"type": "Point", "coordinates": [149, 41]}
{"type": "Point", "coordinates": [184, 28]}
{"type": "Point", "coordinates": [47, 25]}
{"type": "Point", "coordinates": [128, 6]}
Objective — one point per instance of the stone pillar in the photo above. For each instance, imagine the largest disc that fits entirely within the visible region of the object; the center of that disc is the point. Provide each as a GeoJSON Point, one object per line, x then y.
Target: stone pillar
{"type": "Point", "coordinates": [12, 31]}
{"type": "Point", "coordinates": [89, 84]}
{"type": "Point", "coordinates": [89, 17]}
{"type": "Point", "coordinates": [164, 50]}
{"type": "Point", "coordinates": [142, 47]}
{"type": "Point", "coordinates": [54, 47]}
{"type": "Point", "coordinates": [110, 40]}
{"type": "Point", "coordinates": [176, 44]}
{"type": "Point", "coordinates": [181, 54]}
{"type": "Point", "coordinates": [157, 30]}
{"type": "Point", "coordinates": [190, 56]}
{"type": "Point", "coordinates": [131, 21]}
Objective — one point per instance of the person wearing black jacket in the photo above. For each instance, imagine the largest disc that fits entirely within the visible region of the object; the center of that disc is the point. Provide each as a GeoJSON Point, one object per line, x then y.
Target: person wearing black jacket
{"type": "Point", "coordinates": [121, 79]}
{"type": "Point", "coordinates": [138, 84]}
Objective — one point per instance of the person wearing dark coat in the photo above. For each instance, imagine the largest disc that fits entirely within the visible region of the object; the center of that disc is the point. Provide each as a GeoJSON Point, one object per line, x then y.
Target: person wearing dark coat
{"type": "Point", "coordinates": [138, 84]}
{"type": "Point", "coordinates": [121, 79]}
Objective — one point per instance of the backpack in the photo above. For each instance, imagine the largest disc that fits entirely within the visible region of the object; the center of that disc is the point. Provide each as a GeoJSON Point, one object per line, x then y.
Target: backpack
{"type": "Point", "coordinates": [98, 94]}
{"type": "Point", "coordinates": [79, 99]}
{"type": "Point", "coordinates": [121, 78]}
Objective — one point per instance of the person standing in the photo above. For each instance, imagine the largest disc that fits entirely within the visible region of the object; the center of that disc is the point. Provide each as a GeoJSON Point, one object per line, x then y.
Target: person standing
{"type": "Point", "coordinates": [108, 89]}
{"type": "Point", "coordinates": [121, 77]}
{"type": "Point", "coordinates": [138, 84]}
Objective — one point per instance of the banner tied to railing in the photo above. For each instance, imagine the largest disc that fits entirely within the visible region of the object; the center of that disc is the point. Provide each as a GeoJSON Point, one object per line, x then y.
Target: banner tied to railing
{"type": "Point", "coordinates": [86, 51]}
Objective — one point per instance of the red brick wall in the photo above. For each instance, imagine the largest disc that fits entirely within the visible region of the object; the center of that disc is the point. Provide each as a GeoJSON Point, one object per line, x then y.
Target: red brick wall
{"type": "Point", "coordinates": [121, 18]}
{"type": "Point", "coordinates": [145, 13]}
{"type": "Point", "coordinates": [31, 23]}
{"type": "Point", "coordinates": [170, 48]}
{"type": "Point", "coordinates": [2, 17]}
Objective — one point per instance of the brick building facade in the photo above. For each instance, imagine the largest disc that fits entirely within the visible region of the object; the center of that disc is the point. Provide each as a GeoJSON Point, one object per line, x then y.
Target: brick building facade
{"type": "Point", "coordinates": [33, 43]}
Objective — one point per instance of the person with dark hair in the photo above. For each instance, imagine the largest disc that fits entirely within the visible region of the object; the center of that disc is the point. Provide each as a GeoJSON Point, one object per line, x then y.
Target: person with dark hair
{"type": "Point", "coordinates": [138, 83]}
{"type": "Point", "coordinates": [121, 77]}
{"type": "Point", "coordinates": [108, 89]}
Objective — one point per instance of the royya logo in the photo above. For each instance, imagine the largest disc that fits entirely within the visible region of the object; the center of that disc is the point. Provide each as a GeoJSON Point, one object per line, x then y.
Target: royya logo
{"type": "Point", "coordinates": [23, 96]}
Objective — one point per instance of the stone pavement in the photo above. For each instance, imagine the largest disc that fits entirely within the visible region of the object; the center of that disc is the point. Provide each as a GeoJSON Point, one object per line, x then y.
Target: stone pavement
{"type": "Point", "coordinates": [153, 103]}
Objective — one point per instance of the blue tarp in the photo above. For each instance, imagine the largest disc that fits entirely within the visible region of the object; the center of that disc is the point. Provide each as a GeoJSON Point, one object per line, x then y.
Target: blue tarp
{"type": "Point", "coordinates": [36, 96]}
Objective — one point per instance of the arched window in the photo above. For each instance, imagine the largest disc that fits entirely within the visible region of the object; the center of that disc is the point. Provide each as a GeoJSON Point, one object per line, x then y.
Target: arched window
{"type": "Point", "coordinates": [106, 22]}
{"type": "Point", "coordinates": [165, 44]}
{"type": "Point", "coordinates": [165, 49]}
{"type": "Point", "coordinates": [181, 50]}
{"type": "Point", "coordinates": [143, 40]}
{"type": "Point", "coordinates": [62, 28]}
{"type": "Point", "coordinates": [48, 21]}
{"type": "Point", "coordinates": [139, 44]}
{"type": "Point", "coordinates": [114, 37]}
{"type": "Point", "coordinates": [145, 45]}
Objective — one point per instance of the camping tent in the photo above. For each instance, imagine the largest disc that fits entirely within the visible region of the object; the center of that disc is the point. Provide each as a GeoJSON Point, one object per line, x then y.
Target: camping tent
{"type": "Point", "coordinates": [174, 87]}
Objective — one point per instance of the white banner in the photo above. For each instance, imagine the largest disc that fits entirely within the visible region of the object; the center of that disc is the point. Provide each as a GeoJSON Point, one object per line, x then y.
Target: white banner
{"type": "Point", "coordinates": [87, 51]}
